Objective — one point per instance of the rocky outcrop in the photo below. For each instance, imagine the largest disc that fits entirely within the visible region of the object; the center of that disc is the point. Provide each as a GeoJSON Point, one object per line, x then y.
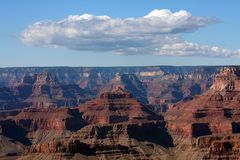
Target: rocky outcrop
{"type": "Point", "coordinates": [127, 148]}
{"type": "Point", "coordinates": [47, 91]}
{"type": "Point", "coordinates": [66, 145]}
{"type": "Point", "coordinates": [170, 89]}
{"type": "Point", "coordinates": [33, 126]}
{"type": "Point", "coordinates": [216, 110]}
{"type": "Point", "coordinates": [41, 91]}
{"type": "Point", "coordinates": [116, 125]}
{"type": "Point", "coordinates": [115, 141]}
{"type": "Point", "coordinates": [14, 96]}
{"type": "Point", "coordinates": [116, 107]}
{"type": "Point", "coordinates": [151, 131]}
{"type": "Point", "coordinates": [32, 119]}
{"type": "Point", "coordinates": [225, 146]}
{"type": "Point", "coordinates": [117, 115]}
{"type": "Point", "coordinates": [160, 86]}
{"type": "Point", "coordinates": [211, 117]}
{"type": "Point", "coordinates": [130, 83]}
{"type": "Point", "coordinates": [228, 80]}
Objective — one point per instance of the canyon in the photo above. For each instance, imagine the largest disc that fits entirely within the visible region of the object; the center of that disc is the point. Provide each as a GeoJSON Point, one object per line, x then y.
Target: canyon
{"type": "Point", "coordinates": [156, 112]}
{"type": "Point", "coordinates": [159, 86]}
{"type": "Point", "coordinates": [211, 121]}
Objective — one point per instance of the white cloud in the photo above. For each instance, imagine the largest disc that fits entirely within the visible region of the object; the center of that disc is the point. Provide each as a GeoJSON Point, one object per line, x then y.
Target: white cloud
{"type": "Point", "coordinates": [156, 33]}
{"type": "Point", "coordinates": [191, 49]}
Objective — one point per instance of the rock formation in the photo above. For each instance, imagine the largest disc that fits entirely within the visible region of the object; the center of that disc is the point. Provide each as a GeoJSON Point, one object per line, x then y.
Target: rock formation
{"type": "Point", "coordinates": [130, 83]}
{"type": "Point", "coordinates": [160, 86]}
{"type": "Point", "coordinates": [32, 119]}
{"type": "Point", "coordinates": [32, 126]}
{"type": "Point", "coordinates": [212, 119]}
{"type": "Point", "coordinates": [116, 125]}
{"type": "Point", "coordinates": [8, 100]}
{"type": "Point", "coordinates": [228, 80]}
{"type": "Point", "coordinates": [47, 91]}
{"type": "Point", "coordinates": [42, 91]}
{"type": "Point", "coordinates": [115, 107]}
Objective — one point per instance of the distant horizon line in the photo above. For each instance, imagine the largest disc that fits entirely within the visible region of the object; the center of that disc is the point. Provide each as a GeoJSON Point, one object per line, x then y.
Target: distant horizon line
{"type": "Point", "coordinates": [117, 66]}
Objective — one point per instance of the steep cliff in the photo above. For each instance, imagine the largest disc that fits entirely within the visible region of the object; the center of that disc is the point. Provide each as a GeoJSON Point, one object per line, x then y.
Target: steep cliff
{"type": "Point", "coordinates": [32, 119]}
{"type": "Point", "coordinates": [47, 91]}
{"type": "Point", "coordinates": [130, 83]}
{"type": "Point", "coordinates": [115, 107]}
{"type": "Point", "coordinates": [209, 118]}
{"type": "Point", "coordinates": [42, 90]}
{"type": "Point", "coordinates": [116, 125]}
{"type": "Point", "coordinates": [160, 86]}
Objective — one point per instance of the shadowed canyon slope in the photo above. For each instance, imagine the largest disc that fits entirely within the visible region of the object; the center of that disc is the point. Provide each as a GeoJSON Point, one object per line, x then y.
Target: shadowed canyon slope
{"type": "Point", "coordinates": [42, 90]}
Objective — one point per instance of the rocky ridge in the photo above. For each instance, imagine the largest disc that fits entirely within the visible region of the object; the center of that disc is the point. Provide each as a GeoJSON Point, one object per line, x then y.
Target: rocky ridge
{"type": "Point", "coordinates": [114, 125]}
{"type": "Point", "coordinates": [211, 120]}
{"type": "Point", "coordinates": [130, 83]}
{"type": "Point", "coordinates": [42, 91]}
{"type": "Point", "coordinates": [159, 86]}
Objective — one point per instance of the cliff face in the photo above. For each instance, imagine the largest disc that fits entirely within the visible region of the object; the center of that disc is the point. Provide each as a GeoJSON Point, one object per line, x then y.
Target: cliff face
{"type": "Point", "coordinates": [47, 91]}
{"type": "Point", "coordinates": [159, 86]}
{"type": "Point", "coordinates": [211, 116]}
{"type": "Point", "coordinates": [117, 114]}
{"type": "Point", "coordinates": [113, 141]}
{"type": "Point", "coordinates": [130, 83]}
{"type": "Point", "coordinates": [42, 90]}
{"type": "Point", "coordinates": [228, 80]}
{"type": "Point", "coordinates": [22, 129]}
{"type": "Point", "coordinates": [32, 119]}
{"type": "Point", "coordinates": [115, 107]}
{"type": "Point", "coordinates": [114, 124]}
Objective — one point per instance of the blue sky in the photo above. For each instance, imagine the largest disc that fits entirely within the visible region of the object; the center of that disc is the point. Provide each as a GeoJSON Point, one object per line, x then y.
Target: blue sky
{"type": "Point", "coordinates": [17, 15]}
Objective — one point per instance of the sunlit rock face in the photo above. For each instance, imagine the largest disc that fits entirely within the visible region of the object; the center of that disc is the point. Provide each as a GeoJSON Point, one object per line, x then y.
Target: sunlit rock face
{"type": "Point", "coordinates": [32, 120]}
{"type": "Point", "coordinates": [215, 113]}
{"type": "Point", "coordinates": [159, 86]}
{"type": "Point", "coordinates": [115, 107]}
{"type": "Point", "coordinates": [130, 83]}
{"type": "Point", "coordinates": [116, 125]}
{"type": "Point", "coordinates": [46, 91]}
{"type": "Point", "coordinates": [227, 80]}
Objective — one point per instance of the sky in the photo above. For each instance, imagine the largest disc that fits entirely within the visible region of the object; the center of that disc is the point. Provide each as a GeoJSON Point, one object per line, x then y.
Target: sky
{"type": "Point", "coordinates": [119, 32]}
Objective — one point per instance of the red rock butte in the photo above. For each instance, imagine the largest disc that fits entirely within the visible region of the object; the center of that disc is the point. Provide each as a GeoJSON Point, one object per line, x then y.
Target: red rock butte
{"type": "Point", "coordinates": [116, 107]}
{"type": "Point", "coordinates": [113, 118]}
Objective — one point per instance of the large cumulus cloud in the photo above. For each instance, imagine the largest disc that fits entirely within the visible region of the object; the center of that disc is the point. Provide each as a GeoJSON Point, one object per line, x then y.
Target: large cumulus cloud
{"type": "Point", "coordinates": [156, 33]}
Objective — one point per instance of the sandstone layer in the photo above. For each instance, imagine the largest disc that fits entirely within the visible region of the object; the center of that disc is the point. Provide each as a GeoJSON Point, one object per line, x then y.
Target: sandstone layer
{"type": "Point", "coordinates": [211, 120]}
{"type": "Point", "coordinates": [114, 125]}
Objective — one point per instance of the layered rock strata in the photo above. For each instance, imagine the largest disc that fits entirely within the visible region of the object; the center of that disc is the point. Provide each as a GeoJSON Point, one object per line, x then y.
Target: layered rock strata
{"type": "Point", "coordinates": [116, 125]}
{"type": "Point", "coordinates": [211, 116]}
